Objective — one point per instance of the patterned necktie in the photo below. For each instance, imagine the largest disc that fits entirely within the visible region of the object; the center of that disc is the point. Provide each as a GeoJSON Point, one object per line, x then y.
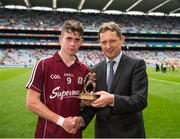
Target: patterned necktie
{"type": "Point", "coordinates": [111, 74]}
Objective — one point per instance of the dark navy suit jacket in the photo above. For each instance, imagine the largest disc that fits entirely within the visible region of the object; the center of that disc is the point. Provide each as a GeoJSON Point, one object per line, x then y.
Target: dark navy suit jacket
{"type": "Point", "coordinates": [130, 87]}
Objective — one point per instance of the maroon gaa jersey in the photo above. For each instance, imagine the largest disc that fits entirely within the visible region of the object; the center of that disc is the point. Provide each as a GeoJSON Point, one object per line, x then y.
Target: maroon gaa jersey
{"type": "Point", "coordinates": [59, 87]}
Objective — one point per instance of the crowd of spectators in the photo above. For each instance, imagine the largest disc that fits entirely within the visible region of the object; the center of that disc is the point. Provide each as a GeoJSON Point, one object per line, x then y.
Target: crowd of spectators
{"type": "Point", "coordinates": [24, 19]}
{"type": "Point", "coordinates": [29, 57]}
{"type": "Point", "coordinates": [53, 20]}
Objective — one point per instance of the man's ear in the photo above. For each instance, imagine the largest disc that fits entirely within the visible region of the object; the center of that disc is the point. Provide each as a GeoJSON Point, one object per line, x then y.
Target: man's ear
{"type": "Point", "coordinates": [82, 40]}
{"type": "Point", "coordinates": [122, 38]}
{"type": "Point", "coordinates": [60, 37]}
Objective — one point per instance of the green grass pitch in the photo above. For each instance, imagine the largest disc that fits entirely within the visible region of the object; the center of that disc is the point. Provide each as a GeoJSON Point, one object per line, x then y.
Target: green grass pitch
{"type": "Point", "coordinates": [161, 117]}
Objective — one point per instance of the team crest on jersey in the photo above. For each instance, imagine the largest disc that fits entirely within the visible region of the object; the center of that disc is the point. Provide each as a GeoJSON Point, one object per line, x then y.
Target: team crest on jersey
{"type": "Point", "coordinates": [80, 80]}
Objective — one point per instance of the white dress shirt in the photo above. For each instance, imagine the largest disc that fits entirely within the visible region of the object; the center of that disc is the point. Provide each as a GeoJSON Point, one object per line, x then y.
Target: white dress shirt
{"type": "Point", "coordinates": [117, 59]}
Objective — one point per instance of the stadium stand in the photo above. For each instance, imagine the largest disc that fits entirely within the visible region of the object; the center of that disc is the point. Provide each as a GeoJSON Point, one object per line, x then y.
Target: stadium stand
{"type": "Point", "coordinates": [25, 36]}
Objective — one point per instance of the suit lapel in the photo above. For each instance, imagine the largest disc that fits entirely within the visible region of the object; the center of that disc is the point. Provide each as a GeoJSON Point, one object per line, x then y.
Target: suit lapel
{"type": "Point", "coordinates": [118, 73]}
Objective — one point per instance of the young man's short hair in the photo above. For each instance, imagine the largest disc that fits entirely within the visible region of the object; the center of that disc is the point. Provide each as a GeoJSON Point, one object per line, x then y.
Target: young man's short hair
{"type": "Point", "coordinates": [72, 25]}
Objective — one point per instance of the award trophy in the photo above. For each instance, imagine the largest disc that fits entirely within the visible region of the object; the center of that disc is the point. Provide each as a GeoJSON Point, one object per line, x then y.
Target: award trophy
{"type": "Point", "coordinates": [89, 87]}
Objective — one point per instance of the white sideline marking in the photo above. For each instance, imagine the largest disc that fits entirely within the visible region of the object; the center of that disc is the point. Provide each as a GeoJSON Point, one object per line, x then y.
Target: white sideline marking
{"type": "Point", "coordinates": [164, 81]}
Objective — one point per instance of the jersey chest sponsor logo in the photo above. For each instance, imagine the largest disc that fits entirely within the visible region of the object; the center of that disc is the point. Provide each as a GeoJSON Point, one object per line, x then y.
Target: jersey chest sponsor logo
{"type": "Point", "coordinates": [56, 93]}
{"type": "Point", "coordinates": [55, 76]}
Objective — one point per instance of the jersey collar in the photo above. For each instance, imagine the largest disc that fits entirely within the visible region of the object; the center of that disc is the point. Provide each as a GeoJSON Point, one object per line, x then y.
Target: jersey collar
{"type": "Point", "coordinates": [58, 58]}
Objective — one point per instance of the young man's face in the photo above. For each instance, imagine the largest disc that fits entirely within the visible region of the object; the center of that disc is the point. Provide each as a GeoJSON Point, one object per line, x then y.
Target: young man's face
{"type": "Point", "coordinates": [70, 42]}
{"type": "Point", "coordinates": [111, 43]}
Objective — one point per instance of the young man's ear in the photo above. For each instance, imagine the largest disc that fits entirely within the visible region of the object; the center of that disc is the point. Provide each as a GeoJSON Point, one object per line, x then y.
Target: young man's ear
{"type": "Point", "coordinates": [60, 37]}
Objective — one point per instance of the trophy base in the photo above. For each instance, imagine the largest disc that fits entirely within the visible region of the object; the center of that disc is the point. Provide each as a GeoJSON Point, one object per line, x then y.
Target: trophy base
{"type": "Point", "coordinates": [87, 96]}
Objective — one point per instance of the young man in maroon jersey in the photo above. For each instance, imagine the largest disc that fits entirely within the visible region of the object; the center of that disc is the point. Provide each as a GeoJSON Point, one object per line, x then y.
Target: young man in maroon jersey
{"type": "Point", "coordinates": [54, 86]}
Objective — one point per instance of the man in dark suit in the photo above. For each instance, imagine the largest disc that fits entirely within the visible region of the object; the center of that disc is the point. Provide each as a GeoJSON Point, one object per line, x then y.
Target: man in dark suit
{"type": "Point", "coordinates": [119, 106]}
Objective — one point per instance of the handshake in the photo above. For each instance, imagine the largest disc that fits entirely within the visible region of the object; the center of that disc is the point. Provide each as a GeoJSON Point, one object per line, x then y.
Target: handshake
{"type": "Point", "coordinates": [72, 124]}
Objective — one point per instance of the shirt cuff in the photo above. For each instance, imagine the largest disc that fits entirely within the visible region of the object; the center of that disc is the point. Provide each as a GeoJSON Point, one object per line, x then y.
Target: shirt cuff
{"type": "Point", "coordinates": [112, 104]}
{"type": "Point", "coordinates": [82, 121]}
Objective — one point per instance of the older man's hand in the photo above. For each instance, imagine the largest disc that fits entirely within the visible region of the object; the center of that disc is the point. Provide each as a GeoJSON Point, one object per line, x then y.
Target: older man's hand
{"type": "Point", "coordinates": [104, 99]}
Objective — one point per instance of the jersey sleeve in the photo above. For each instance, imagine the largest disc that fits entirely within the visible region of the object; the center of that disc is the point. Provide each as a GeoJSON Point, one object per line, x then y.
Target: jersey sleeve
{"type": "Point", "coordinates": [36, 80]}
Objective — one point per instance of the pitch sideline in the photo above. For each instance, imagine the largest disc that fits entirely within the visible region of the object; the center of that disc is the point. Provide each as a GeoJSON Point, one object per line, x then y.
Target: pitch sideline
{"type": "Point", "coordinates": [164, 81]}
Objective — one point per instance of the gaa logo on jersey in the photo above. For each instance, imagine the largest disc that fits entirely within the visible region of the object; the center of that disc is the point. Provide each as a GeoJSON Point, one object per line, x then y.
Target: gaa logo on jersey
{"type": "Point", "coordinates": [80, 80]}
{"type": "Point", "coordinates": [55, 76]}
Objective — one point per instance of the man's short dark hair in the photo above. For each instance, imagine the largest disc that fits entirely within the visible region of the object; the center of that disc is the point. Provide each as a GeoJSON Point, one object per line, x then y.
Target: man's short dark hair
{"type": "Point", "coordinates": [73, 25]}
{"type": "Point", "coordinates": [112, 26]}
